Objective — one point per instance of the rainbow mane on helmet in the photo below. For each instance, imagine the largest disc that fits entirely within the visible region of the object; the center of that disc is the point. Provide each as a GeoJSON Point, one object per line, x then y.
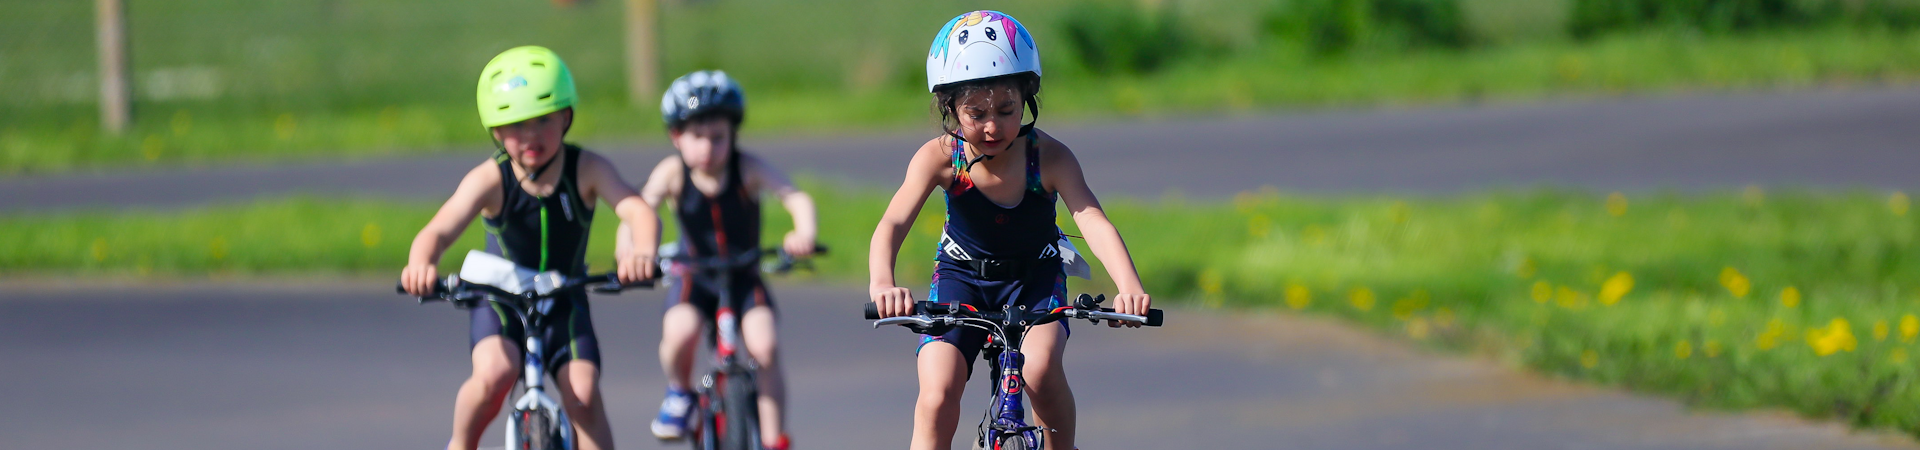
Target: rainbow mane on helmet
{"type": "Point", "coordinates": [947, 61]}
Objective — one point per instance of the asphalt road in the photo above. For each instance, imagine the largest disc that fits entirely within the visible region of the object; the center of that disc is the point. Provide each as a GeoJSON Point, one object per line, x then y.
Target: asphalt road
{"type": "Point", "coordinates": [353, 366]}
{"type": "Point", "coordinates": [1861, 138]}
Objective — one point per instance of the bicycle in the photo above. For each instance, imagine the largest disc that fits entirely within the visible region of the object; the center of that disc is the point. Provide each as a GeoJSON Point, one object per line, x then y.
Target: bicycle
{"type": "Point", "coordinates": [726, 400]}
{"type": "Point", "coordinates": [537, 422]}
{"type": "Point", "coordinates": [1004, 425]}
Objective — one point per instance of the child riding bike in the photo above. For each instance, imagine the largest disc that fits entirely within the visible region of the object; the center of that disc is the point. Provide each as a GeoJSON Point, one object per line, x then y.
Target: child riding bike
{"type": "Point", "coordinates": [537, 197]}
{"type": "Point", "coordinates": [1000, 244]}
{"type": "Point", "coordinates": [715, 191]}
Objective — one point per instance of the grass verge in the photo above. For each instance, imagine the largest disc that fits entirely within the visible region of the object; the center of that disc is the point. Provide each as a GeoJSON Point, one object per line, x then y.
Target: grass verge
{"type": "Point", "coordinates": [1749, 299]}
{"type": "Point", "coordinates": [316, 78]}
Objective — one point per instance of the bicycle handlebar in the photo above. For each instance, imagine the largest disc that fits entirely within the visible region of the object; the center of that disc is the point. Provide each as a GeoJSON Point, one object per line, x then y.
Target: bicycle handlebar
{"type": "Point", "coordinates": [784, 261]}
{"type": "Point", "coordinates": [929, 313]}
{"type": "Point", "coordinates": [453, 289]}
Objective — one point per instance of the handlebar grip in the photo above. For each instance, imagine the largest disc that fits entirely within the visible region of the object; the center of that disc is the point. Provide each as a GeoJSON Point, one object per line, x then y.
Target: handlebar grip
{"type": "Point", "coordinates": [819, 249]}
{"type": "Point", "coordinates": [612, 288]}
{"type": "Point", "coordinates": [439, 289]}
{"type": "Point", "coordinates": [873, 311]}
{"type": "Point", "coordinates": [1154, 316]}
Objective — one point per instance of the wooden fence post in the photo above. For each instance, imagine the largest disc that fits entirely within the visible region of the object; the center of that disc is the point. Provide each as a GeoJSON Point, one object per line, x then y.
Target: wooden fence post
{"type": "Point", "coordinates": [643, 63]}
{"type": "Point", "coordinates": [116, 95]}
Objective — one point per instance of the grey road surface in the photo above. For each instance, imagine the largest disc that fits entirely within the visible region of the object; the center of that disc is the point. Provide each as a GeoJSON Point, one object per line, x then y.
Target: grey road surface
{"type": "Point", "coordinates": [353, 366]}
{"type": "Point", "coordinates": [1862, 138]}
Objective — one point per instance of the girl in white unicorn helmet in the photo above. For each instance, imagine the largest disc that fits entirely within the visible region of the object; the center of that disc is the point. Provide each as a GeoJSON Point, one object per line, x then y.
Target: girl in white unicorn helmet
{"type": "Point", "coordinates": [999, 245]}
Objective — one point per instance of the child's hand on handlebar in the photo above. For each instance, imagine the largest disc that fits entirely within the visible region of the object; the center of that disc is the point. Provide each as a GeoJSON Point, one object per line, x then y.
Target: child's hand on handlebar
{"type": "Point", "coordinates": [419, 278]}
{"type": "Point", "coordinates": [1135, 304]}
{"type": "Point", "coordinates": [637, 266]}
{"type": "Point", "coordinates": [798, 245]}
{"type": "Point", "coordinates": [891, 301]}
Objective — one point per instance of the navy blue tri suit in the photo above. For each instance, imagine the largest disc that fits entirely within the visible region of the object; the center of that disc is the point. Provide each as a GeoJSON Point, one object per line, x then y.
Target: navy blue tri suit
{"type": "Point", "coordinates": [543, 233]}
{"type": "Point", "coordinates": [992, 255]}
{"type": "Point", "coordinates": [725, 224]}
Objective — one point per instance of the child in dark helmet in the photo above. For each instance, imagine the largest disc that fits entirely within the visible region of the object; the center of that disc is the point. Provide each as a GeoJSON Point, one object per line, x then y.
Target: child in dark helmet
{"type": "Point", "coordinates": [715, 190]}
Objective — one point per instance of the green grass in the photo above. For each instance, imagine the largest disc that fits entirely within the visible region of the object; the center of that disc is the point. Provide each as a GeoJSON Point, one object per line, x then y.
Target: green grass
{"type": "Point", "coordinates": [220, 80]}
{"type": "Point", "coordinates": [1751, 299]}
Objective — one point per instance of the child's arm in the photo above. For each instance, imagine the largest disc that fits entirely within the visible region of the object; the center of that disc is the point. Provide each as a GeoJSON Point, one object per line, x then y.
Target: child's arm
{"type": "Point", "coordinates": [601, 180]}
{"type": "Point", "coordinates": [660, 187]}
{"type": "Point", "coordinates": [764, 177]}
{"type": "Point", "coordinates": [928, 168]}
{"type": "Point", "coordinates": [1061, 169]}
{"type": "Point", "coordinates": [478, 192]}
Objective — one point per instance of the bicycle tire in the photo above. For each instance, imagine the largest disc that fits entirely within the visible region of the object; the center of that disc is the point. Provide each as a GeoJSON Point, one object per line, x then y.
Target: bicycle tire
{"type": "Point", "coordinates": [741, 406]}
{"type": "Point", "coordinates": [537, 431]}
{"type": "Point", "coordinates": [1014, 442]}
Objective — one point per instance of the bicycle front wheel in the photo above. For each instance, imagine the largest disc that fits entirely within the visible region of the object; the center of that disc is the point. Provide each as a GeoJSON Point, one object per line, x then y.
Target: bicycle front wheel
{"type": "Point", "coordinates": [740, 410]}
{"type": "Point", "coordinates": [1012, 443]}
{"type": "Point", "coordinates": [534, 430]}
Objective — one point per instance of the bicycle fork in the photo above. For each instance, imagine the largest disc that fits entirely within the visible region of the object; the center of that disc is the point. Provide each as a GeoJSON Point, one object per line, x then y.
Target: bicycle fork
{"type": "Point", "coordinates": [535, 400]}
{"type": "Point", "coordinates": [1010, 405]}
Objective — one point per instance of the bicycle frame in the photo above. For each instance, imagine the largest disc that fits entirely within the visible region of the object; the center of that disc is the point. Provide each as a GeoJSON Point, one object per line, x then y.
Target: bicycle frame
{"type": "Point", "coordinates": [533, 376]}
{"type": "Point", "coordinates": [1006, 415]}
{"type": "Point", "coordinates": [531, 309]}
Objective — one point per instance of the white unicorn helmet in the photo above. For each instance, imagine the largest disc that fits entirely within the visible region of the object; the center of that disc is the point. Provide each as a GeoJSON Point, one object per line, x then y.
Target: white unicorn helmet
{"type": "Point", "coordinates": [980, 44]}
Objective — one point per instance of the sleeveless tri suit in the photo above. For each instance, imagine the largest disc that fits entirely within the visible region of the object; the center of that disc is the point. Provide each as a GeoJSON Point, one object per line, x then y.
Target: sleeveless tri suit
{"type": "Point", "coordinates": [992, 255]}
{"type": "Point", "coordinates": [543, 233]}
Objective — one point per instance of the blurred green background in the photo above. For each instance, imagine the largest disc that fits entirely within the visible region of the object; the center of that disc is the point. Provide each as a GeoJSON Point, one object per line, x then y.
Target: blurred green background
{"type": "Point", "coordinates": [232, 79]}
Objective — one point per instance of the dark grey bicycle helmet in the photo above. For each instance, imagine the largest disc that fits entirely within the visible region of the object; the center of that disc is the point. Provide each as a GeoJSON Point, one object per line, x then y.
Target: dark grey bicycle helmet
{"type": "Point", "coordinates": [702, 93]}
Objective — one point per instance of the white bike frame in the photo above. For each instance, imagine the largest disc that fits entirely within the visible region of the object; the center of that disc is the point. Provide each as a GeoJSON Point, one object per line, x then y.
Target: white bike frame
{"type": "Point", "coordinates": [535, 399]}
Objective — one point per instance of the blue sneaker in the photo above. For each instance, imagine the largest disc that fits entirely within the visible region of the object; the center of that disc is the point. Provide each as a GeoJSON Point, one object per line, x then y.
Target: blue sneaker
{"type": "Point", "coordinates": [671, 424]}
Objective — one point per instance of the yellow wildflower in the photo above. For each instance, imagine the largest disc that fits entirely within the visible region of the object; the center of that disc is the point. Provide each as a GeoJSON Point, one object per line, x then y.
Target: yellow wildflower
{"type": "Point", "coordinates": [1259, 226]}
{"type": "Point", "coordinates": [1398, 212]}
{"type": "Point", "coordinates": [1361, 298]}
{"type": "Point", "coordinates": [1909, 328]}
{"type": "Point", "coordinates": [1403, 309]}
{"type": "Point", "coordinates": [1683, 349]}
{"type": "Point", "coordinates": [1753, 195]}
{"type": "Point", "coordinates": [1773, 336]}
{"type": "Point", "coordinates": [1835, 337]}
{"type": "Point", "coordinates": [1211, 282]}
{"type": "Point", "coordinates": [1880, 330]}
{"type": "Point", "coordinates": [1298, 297]}
{"type": "Point", "coordinates": [1615, 287]}
{"type": "Point", "coordinates": [1616, 204]}
{"type": "Point", "coordinates": [100, 250]}
{"type": "Point", "coordinates": [1542, 291]}
{"type": "Point", "coordinates": [1735, 282]}
{"type": "Point", "coordinates": [1790, 296]}
{"type": "Point", "coordinates": [1569, 298]}
{"type": "Point", "coordinates": [1897, 356]}
{"type": "Point", "coordinates": [1417, 328]}
{"type": "Point", "coordinates": [218, 248]}
{"type": "Point", "coordinates": [1589, 359]}
{"type": "Point", "coordinates": [370, 235]}
{"type": "Point", "coordinates": [284, 126]}
{"type": "Point", "coordinates": [1314, 235]}
{"type": "Point", "coordinates": [1711, 348]}
{"type": "Point", "coordinates": [1897, 203]}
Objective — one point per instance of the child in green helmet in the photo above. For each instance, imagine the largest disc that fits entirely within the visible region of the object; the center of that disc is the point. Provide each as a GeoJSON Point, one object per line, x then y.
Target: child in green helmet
{"type": "Point", "coordinates": [537, 198]}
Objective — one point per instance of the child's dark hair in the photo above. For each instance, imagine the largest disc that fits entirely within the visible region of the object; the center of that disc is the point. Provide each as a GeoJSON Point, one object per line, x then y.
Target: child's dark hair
{"type": "Point", "coordinates": [945, 98]}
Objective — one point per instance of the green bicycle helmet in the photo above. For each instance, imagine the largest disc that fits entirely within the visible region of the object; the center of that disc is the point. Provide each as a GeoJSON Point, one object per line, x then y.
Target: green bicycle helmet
{"type": "Point", "coordinates": [523, 83]}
